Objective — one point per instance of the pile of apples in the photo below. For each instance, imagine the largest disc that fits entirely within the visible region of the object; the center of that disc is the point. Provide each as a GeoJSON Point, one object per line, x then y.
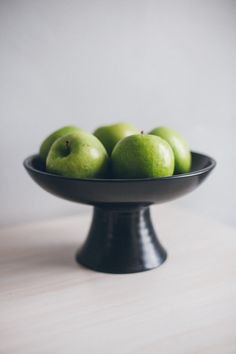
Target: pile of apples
{"type": "Point", "coordinates": [115, 151]}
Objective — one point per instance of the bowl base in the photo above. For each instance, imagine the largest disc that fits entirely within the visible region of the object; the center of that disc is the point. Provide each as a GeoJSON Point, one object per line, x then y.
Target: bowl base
{"type": "Point", "coordinates": [121, 240]}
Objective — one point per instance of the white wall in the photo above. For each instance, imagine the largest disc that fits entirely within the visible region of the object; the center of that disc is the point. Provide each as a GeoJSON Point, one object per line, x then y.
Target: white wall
{"type": "Point", "coordinates": [93, 62]}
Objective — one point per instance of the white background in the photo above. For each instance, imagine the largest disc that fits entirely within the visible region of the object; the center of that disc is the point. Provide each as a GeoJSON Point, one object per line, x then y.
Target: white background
{"type": "Point", "coordinates": [95, 62]}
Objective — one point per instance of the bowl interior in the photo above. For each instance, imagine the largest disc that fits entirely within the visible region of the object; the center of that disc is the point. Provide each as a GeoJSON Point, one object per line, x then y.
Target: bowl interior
{"type": "Point", "coordinates": [199, 162]}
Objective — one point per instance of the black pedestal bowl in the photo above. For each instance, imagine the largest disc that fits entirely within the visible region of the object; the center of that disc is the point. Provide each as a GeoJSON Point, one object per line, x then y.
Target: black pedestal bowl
{"type": "Point", "coordinates": [121, 238]}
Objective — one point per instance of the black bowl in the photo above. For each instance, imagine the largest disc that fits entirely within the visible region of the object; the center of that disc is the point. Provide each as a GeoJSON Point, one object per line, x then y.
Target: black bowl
{"type": "Point", "coordinates": [121, 237]}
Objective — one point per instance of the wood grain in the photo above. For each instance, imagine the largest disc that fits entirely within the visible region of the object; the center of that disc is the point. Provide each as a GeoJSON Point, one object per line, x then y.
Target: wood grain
{"type": "Point", "coordinates": [50, 305]}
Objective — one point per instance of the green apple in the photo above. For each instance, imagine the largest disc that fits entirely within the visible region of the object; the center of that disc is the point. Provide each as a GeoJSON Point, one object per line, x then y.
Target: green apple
{"type": "Point", "coordinates": [142, 156]}
{"type": "Point", "coordinates": [109, 135]}
{"type": "Point", "coordinates": [79, 155]}
{"type": "Point", "coordinates": [46, 144]}
{"type": "Point", "coordinates": [182, 153]}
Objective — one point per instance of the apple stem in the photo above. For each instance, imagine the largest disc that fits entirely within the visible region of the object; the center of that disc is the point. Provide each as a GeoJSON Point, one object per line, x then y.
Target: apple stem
{"type": "Point", "coordinates": [67, 146]}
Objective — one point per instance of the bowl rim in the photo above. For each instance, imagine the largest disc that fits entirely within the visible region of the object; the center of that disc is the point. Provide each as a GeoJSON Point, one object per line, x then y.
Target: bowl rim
{"type": "Point", "coordinates": [28, 165]}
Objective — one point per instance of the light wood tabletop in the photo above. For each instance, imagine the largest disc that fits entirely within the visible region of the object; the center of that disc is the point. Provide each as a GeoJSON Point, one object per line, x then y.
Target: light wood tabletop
{"type": "Point", "coordinates": [49, 304]}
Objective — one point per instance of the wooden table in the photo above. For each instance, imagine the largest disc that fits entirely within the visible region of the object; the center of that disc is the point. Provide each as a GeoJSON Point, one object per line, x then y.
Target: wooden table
{"type": "Point", "coordinates": [49, 304]}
